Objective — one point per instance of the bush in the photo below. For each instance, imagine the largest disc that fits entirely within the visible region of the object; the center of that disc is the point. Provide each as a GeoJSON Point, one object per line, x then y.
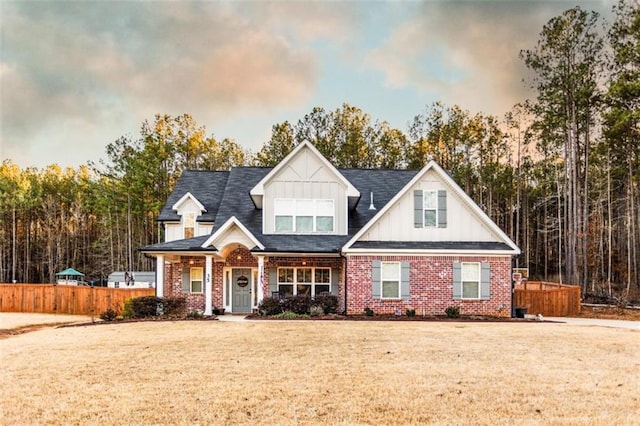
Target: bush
{"type": "Point", "coordinates": [300, 304]}
{"type": "Point", "coordinates": [316, 311]}
{"type": "Point", "coordinates": [174, 306]}
{"type": "Point", "coordinates": [368, 311]}
{"type": "Point", "coordinates": [108, 315]}
{"type": "Point", "coordinates": [127, 310]}
{"type": "Point", "coordinates": [195, 315]}
{"type": "Point", "coordinates": [411, 313]}
{"type": "Point", "coordinates": [270, 306]}
{"type": "Point", "coordinates": [146, 306]}
{"type": "Point", "coordinates": [452, 312]}
{"type": "Point", "coordinates": [290, 315]}
{"type": "Point", "coordinates": [328, 303]}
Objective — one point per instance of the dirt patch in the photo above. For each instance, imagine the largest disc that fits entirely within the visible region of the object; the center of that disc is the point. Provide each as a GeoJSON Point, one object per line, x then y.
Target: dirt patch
{"type": "Point", "coordinates": [609, 312]}
{"type": "Point", "coordinates": [4, 333]}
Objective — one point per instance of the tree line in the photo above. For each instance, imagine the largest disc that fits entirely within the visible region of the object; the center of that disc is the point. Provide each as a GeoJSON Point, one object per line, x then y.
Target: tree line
{"type": "Point", "coordinates": [560, 172]}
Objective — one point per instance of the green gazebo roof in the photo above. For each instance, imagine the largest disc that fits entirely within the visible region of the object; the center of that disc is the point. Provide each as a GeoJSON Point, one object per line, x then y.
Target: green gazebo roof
{"type": "Point", "coordinates": [70, 272]}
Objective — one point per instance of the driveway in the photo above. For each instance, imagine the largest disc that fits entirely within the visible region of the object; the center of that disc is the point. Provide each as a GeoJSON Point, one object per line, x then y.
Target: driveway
{"type": "Point", "coordinates": [633, 325]}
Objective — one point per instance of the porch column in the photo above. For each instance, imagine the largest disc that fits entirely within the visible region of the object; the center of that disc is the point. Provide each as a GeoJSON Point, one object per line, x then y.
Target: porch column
{"type": "Point", "coordinates": [260, 278]}
{"type": "Point", "coordinates": [208, 296]}
{"type": "Point", "coordinates": [160, 275]}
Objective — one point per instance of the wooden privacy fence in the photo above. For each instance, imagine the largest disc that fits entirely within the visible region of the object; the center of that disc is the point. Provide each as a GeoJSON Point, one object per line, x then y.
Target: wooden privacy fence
{"type": "Point", "coordinates": [549, 299]}
{"type": "Point", "coordinates": [65, 299]}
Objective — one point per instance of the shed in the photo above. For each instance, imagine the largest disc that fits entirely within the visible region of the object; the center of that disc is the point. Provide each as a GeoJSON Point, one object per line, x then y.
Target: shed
{"type": "Point", "coordinates": [135, 279]}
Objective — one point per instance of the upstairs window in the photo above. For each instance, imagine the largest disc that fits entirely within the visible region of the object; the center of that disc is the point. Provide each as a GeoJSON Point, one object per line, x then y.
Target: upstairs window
{"type": "Point", "coordinates": [189, 224]}
{"type": "Point", "coordinates": [430, 209]}
{"type": "Point", "coordinates": [304, 216]}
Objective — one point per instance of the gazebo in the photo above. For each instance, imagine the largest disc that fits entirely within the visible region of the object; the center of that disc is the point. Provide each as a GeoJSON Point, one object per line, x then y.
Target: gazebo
{"type": "Point", "coordinates": [70, 277]}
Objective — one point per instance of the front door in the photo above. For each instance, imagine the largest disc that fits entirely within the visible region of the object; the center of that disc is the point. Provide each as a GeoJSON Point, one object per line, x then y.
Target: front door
{"type": "Point", "coordinates": [241, 289]}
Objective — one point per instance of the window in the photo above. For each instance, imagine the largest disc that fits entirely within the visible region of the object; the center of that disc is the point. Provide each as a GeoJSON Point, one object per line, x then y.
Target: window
{"type": "Point", "coordinates": [189, 224]}
{"type": "Point", "coordinates": [284, 210]}
{"type": "Point", "coordinates": [390, 274]}
{"type": "Point", "coordinates": [196, 280]}
{"type": "Point", "coordinates": [303, 216]}
{"type": "Point", "coordinates": [430, 207]}
{"type": "Point", "coordinates": [303, 281]}
{"type": "Point", "coordinates": [470, 280]}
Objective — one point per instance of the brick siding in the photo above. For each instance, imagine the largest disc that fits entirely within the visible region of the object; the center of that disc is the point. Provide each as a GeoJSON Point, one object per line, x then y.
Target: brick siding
{"type": "Point", "coordinates": [431, 282]}
{"type": "Point", "coordinates": [431, 286]}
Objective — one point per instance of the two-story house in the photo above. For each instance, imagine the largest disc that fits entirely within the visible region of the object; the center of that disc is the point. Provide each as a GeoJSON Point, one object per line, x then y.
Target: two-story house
{"type": "Point", "coordinates": [389, 240]}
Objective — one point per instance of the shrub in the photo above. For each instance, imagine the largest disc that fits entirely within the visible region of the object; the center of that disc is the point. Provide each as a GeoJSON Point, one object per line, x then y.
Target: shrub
{"type": "Point", "coordinates": [290, 315]}
{"type": "Point", "coordinates": [174, 306]}
{"type": "Point", "coordinates": [127, 310]}
{"type": "Point", "coordinates": [411, 313]}
{"type": "Point", "coordinates": [452, 312]}
{"type": "Point", "coordinates": [108, 315]}
{"type": "Point", "coordinates": [195, 315]}
{"type": "Point", "coordinates": [368, 311]}
{"type": "Point", "coordinates": [270, 306]}
{"type": "Point", "coordinates": [328, 302]}
{"type": "Point", "coordinates": [300, 304]}
{"type": "Point", "coordinates": [146, 306]}
{"type": "Point", "coordinates": [316, 311]}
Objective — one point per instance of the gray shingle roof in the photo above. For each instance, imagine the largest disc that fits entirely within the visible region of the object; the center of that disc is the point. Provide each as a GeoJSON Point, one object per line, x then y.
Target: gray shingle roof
{"type": "Point", "coordinates": [226, 194]}
{"type": "Point", "coordinates": [207, 187]}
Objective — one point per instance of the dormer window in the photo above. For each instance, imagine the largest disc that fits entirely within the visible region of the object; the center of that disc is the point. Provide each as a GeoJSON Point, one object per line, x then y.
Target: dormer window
{"type": "Point", "coordinates": [189, 224]}
{"type": "Point", "coordinates": [304, 216]}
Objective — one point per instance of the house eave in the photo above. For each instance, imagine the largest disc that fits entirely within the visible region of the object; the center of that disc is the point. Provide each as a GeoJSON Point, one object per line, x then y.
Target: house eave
{"type": "Point", "coordinates": [429, 252]}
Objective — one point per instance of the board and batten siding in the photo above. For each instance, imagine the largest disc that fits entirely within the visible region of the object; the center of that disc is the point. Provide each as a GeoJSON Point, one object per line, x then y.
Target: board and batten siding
{"type": "Point", "coordinates": [305, 177]}
{"type": "Point", "coordinates": [397, 224]}
{"type": "Point", "coordinates": [173, 230]}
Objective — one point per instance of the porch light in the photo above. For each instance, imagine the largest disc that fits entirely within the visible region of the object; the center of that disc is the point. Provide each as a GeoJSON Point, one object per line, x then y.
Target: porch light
{"type": "Point", "coordinates": [191, 262]}
{"type": "Point", "coordinates": [304, 263]}
{"type": "Point", "coordinates": [239, 257]}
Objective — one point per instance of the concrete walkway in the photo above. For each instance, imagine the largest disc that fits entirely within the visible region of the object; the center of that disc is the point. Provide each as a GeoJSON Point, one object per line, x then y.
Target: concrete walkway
{"type": "Point", "coordinates": [632, 325]}
{"type": "Point", "coordinates": [231, 317]}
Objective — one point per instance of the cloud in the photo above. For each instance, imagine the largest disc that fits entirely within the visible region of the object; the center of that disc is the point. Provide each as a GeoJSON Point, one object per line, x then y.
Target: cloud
{"type": "Point", "coordinates": [465, 53]}
{"type": "Point", "coordinates": [122, 62]}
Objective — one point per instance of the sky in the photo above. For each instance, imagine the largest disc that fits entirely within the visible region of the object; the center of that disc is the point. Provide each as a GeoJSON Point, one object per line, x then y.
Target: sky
{"type": "Point", "coordinates": [76, 76]}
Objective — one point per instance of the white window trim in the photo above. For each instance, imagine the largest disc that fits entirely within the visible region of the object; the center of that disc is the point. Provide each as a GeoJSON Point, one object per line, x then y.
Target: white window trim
{"type": "Point", "coordinates": [191, 280]}
{"type": "Point", "coordinates": [314, 216]}
{"type": "Point", "coordinates": [424, 208]}
{"type": "Point", "coordinates": [295, 282]}
{"type": "Point", "coordinates": [382, 280]}
{"type": "Point", "coordinates": [462, 280]}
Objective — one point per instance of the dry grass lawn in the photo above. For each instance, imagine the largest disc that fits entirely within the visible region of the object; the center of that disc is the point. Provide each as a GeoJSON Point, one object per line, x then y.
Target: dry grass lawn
{"type": "Point", "coordinates": [331, 372]}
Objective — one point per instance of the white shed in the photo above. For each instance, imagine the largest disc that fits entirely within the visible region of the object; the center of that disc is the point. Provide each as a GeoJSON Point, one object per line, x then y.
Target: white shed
{"type": "Point", "coordinates": [141, 279]}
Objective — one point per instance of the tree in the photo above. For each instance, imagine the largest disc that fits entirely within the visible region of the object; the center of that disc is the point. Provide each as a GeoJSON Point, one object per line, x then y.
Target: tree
{"type": "Point", "coordinates": [565, 63]}
{"type": "Point", "coordinates": [622, 130]}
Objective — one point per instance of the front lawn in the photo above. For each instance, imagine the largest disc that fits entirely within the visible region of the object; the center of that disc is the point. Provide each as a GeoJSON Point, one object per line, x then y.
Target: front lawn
{"type": "Point", "coordinates": [321, 372]}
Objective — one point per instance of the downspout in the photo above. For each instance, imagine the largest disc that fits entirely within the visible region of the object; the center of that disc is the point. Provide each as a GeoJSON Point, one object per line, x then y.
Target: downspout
{"type": "Point", "coordinates": [345, 282]}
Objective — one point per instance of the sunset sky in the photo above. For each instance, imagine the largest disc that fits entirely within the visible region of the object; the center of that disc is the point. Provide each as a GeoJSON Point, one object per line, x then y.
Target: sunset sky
{"type": "Point", "coordinates": [75, 76]}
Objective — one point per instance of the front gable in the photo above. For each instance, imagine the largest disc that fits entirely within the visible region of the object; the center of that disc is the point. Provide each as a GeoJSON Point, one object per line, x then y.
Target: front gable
{"type": "Point", "coordinates": [229, 235]}
{"type": "Point", "coordinates": [305, 188]}
{"type": "Point", "coordinates": [431, 211]}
